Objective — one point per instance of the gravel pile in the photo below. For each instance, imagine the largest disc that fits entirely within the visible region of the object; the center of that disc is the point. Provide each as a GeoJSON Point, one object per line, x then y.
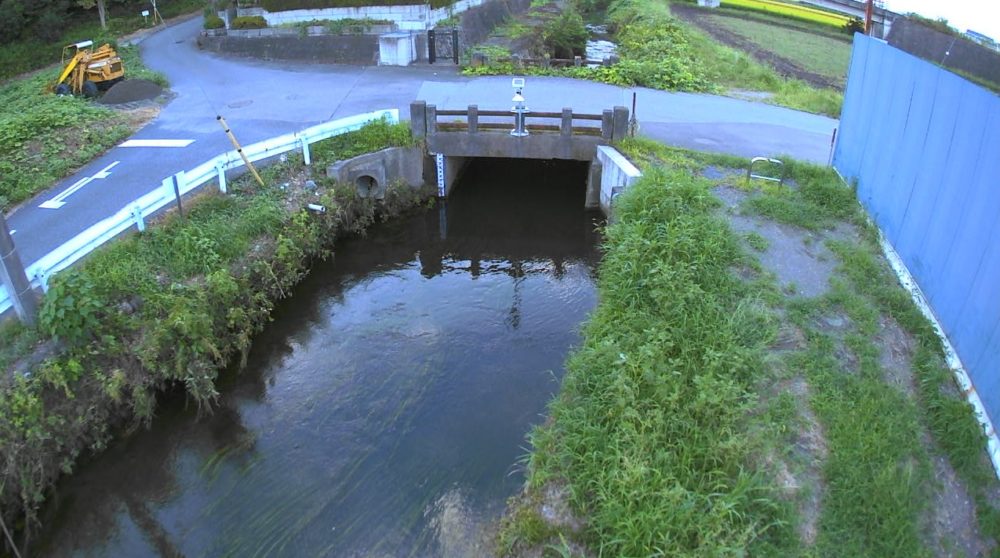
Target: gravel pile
{"type": "Point", "coordinates": [129, 91]}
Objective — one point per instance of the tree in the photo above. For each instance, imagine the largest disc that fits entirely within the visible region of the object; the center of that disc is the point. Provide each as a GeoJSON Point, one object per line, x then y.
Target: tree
{"type": "Point", "coordinates": [12, 20]}
{"type": "Point", "coordinates": [101, 10]}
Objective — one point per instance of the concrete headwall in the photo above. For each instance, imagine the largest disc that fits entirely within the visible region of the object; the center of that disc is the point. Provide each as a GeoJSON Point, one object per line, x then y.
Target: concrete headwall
{"type": "Point", "coordinates": [503, 145]}
{"type": "Point", "coordinates": [947, 50]}
{"type": "Point", "coordinates": [373, 172]}
{"type": "Point", "coordinates": [344, 49]}
{"type": "Point", "coordinates": [617, 174]}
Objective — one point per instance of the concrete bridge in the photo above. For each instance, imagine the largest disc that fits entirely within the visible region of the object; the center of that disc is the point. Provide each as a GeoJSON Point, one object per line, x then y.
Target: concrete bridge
{"type": "Point", "coordinates": [451, 137]}
{"type": "Point", "coordinates": [881, 18]}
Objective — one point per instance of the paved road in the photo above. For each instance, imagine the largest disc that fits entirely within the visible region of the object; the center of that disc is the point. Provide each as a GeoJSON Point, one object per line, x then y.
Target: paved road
{"type": "Point", "coordinates": [266, 99]}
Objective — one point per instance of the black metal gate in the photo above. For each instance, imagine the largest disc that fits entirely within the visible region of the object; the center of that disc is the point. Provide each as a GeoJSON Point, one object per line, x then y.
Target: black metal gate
{"type": "Point", "coordinates": [442, 43]}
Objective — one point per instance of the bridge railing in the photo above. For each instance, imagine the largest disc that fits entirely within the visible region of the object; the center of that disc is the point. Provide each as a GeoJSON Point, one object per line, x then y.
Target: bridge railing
{"type": "Point", "coordinates": [177, 185]}
{"type": "Point", "coordinates": [611, 124]}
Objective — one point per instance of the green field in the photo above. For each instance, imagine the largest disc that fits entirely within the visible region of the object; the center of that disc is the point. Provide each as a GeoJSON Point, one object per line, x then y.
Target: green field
{"type": "Point", "coordinates": [796, 11]}
{"type": "Point", "coordinates": [816, 53]}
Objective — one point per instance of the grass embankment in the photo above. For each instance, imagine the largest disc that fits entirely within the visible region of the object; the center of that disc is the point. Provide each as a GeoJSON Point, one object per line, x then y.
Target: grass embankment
{"type": "Point", "coordinates": [656, 50]}
{"type": "Point", "coordinates": [168, 307]}
{"type": "Point", "coordinates": [45, 137]}
{"type": "Point", "coordinates": [678, 430]}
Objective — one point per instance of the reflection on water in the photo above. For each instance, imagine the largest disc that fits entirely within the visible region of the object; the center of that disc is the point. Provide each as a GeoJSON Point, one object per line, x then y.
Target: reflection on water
{"type": "Point", "coordinates": [384, 410]}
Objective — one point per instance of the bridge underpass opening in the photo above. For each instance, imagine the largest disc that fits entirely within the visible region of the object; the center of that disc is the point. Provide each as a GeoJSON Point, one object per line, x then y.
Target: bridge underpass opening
{"type": "Point", "coordinates": [517, 210]}
{"type": "Point", "coordinates": [549, 177]}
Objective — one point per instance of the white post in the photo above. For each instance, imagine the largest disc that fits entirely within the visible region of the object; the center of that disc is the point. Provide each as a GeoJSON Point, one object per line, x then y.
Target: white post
{"type": "Point", "coordinates": [222, 178]}
{"type": "Point", "coordinates": [43, 279]}
{"type": "Point", "coordinates": [305, 152]}
{"type": "Point", "coordinates": [140, 223]}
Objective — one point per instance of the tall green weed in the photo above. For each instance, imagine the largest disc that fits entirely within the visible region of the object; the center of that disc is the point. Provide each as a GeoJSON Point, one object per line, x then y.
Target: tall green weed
{"type": "Point", "coordinates": [650, 430]}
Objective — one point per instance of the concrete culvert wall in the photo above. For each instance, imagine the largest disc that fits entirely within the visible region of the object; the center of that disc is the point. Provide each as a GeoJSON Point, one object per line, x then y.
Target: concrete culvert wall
{"type": "Point", "coordinates": [367, 185]}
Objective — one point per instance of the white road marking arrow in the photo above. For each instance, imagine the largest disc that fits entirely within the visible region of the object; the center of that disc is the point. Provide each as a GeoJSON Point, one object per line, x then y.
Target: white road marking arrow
{"type": "Point", "coordinates": [157, 143]}
{"type": "Point", "coordinates": [60, 200]}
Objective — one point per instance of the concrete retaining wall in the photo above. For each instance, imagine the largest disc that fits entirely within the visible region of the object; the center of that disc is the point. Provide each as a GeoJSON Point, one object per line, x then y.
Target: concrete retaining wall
{"type": "Point", "coordinates": [409, 18]}
{"type": "Point", "coordinates": [477, 23]}
{"type": "Point", "coordinates": [941, 48]}
{"type": "Point", "coordinates": [344, 49]}
{"type": "Point", "coordinates": [311, 31]}
{"type": "Point", "coordinates": [373, 172]}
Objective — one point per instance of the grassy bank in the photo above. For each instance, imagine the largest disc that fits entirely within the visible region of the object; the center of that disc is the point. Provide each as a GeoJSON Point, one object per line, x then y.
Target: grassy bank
{"type": "Point", "coordinates": [32, 53]}
{"type": "Point", "coordinates": [45, 137]}
{"type": "Point", "coordinates": [715, 409]}
{"type": "Point", "coordinates": [167, 308]}
{"type": "Point", "coordinates": [656, 50]}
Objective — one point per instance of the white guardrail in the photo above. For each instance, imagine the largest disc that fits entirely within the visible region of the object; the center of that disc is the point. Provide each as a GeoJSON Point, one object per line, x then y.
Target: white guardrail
{"type": "Point", "coordinates": [135, 212]}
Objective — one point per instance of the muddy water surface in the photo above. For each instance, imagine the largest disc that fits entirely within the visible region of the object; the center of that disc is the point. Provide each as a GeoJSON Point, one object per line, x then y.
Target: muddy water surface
{"type": "Point", "coordinates": [384, 410]}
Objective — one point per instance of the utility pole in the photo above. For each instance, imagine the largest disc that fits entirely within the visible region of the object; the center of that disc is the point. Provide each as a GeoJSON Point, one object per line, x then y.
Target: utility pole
{"type": "Point", "coordinates": [13, 277]}
{"type": "Point", "coordinates": [869, 13]}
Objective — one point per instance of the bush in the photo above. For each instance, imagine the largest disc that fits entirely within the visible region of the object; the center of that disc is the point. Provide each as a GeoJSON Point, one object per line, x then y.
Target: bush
{"type": "Point", "coordinates": [11, 21]}
{"type": "Point", "coordinates": [249, 22]}
{"type": "Point", "coordinates": [213, 21]}
{"type": "Point", "coordinates": [565, 36]}
{"type": "Point", "coordinates": [71, 310]}
{"type": "Point", "coordinates": [853, 26]}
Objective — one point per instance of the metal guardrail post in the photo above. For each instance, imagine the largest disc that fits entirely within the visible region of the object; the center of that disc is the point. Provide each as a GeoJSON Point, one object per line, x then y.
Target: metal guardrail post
{"type": "Point", "coordinates": [140, 222]}
{"type": "Point", "coordinates": [219, 170]}
{"type": "Point", "coordinates": [305, 152]}
{"type": "Point", "coordinates": [42, 276]}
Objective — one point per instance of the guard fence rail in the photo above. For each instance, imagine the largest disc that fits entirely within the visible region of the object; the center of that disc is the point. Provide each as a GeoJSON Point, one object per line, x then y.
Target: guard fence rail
{"type": "Point", "coordinates": [134, 213]}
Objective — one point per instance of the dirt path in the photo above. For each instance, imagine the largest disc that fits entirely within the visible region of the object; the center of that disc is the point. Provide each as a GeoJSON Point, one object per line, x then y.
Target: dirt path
{"type": "Point", "coordinates": [699, 18]}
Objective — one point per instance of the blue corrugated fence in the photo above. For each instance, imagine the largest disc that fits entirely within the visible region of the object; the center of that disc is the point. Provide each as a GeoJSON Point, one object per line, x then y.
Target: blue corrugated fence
{"type": "Point", "coordinates": [924, 147]}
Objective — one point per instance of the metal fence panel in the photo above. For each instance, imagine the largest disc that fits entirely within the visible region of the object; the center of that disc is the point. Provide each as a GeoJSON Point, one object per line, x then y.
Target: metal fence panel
{"type": "Point", "coordinates": [924, 147]}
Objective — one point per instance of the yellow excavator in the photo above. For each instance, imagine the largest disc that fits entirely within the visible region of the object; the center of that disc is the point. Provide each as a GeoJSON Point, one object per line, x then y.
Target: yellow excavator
{"type": "Point", "coordinates": [87, 70]}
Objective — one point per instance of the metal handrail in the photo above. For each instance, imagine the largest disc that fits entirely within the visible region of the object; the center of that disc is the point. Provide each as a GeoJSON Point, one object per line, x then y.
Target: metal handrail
{"type": "Point", "coordinates": [135, 212]}
{"type": "Point", "coordinates": [751, 175]}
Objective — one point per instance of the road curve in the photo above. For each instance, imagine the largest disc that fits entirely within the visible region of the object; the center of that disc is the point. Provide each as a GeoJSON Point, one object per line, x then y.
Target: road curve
{"type": "Point", "coordinates": [265, 99]}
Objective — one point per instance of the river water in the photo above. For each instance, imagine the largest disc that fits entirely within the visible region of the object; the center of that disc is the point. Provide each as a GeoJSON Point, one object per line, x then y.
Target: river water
{"type": "Point", "coordinates": [384, 410]}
